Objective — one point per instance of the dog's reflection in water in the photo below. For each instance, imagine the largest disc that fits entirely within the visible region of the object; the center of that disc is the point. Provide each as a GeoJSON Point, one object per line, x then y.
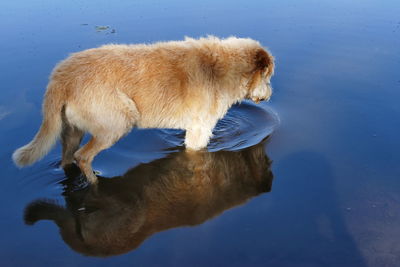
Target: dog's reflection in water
{"type": "Point", "coordinates": [186, 188]}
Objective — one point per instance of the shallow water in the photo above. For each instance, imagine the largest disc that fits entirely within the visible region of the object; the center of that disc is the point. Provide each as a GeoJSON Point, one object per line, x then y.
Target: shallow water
{"type": "Point", "coordinates": [325, 187]}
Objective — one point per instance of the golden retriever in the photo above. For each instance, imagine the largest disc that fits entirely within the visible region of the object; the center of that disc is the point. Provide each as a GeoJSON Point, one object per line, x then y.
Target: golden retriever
{"type": "Point", "coordinates": [108, 90]}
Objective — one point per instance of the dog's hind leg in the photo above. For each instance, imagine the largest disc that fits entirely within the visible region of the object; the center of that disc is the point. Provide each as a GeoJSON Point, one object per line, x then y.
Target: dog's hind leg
{"type": "Point", "coordinates": [102, 138]}
{"type": "Point", "coordinates": [85, 155]}
{"type": "Point", "coordinates": [71, 138]}
{"type": "Point", "coordinates": [109, 121]}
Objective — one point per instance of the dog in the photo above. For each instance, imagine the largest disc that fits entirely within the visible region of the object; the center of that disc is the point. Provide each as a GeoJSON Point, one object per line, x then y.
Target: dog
{"type": "Point", "coordinates": [108, 90]}
{"type": "Point", "coordinates": [183, 189]}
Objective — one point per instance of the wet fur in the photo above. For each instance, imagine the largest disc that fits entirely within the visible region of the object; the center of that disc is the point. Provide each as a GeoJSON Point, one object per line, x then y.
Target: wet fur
{"type": "Point", "coordinates": [108, 90]}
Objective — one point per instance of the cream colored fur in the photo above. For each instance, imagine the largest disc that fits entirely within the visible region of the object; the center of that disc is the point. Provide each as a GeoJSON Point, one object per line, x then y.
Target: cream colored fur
{"type": "Point", "coordinates": [108, 90]}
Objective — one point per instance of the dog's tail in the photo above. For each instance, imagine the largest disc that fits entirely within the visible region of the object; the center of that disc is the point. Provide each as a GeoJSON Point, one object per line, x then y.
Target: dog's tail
{"type": "Point", "coordinates": [49, 130]}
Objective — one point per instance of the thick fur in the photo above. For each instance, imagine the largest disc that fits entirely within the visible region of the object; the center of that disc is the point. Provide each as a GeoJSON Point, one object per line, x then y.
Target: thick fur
{"type": "Point", "coordinates": [108, 90]}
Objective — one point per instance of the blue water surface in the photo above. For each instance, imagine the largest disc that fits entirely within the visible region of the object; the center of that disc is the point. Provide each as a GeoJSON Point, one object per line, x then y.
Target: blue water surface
{"type": "Point", "coordinates": [322, 190]}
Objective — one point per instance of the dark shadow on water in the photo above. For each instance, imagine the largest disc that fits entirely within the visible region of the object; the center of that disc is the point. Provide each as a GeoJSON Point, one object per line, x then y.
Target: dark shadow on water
{"type": "Point", "coordinates": [182, 189]}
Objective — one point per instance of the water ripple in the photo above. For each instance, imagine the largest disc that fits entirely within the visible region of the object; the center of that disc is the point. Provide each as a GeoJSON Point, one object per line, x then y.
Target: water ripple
{"type": "Point", "coordinates": [245, 125]}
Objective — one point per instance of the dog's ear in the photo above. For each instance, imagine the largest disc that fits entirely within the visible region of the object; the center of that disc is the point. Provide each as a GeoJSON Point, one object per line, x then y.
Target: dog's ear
{"type": "Point", "coordinates": [263, 61]}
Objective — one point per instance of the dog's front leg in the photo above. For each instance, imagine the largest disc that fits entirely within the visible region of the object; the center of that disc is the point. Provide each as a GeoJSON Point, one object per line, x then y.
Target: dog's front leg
{"type": "Point", "coordinates": [197, 137]}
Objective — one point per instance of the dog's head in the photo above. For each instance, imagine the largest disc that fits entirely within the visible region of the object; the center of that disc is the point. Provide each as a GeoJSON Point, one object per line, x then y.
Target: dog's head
{"type": "Point", "coordinates": [259, 85]}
